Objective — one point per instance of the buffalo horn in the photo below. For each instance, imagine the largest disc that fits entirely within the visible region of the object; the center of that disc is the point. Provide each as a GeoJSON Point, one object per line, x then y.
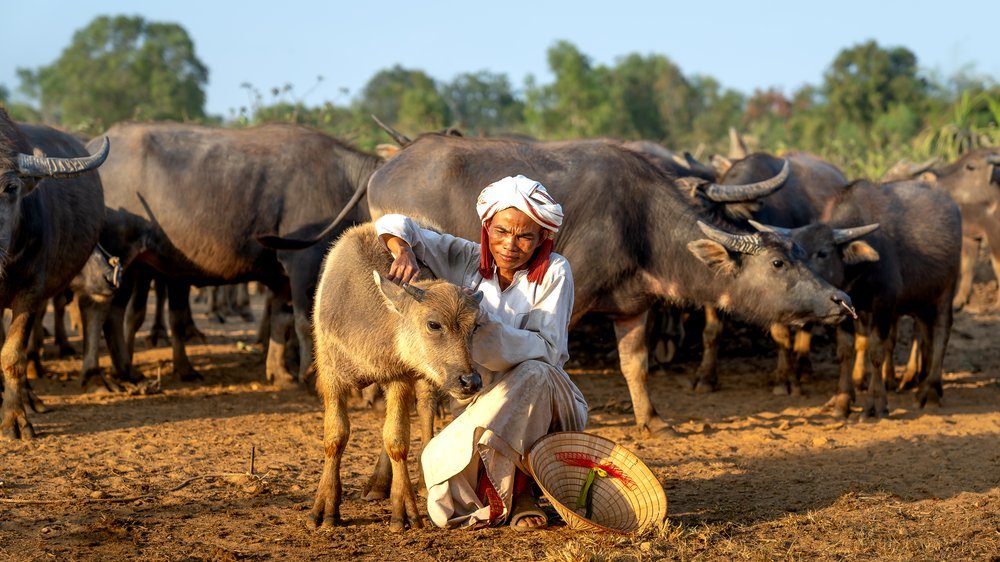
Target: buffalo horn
{"type": "Point", "coordinates": [786, 232]}
{"type": "Point", "coordinates": [400, 138]}
{"type": "Point", "coordinates": [917, 169]}
{"type": "Point", "coordinates": [841, 235]}
{"type": "Point", "coordinates": [742, 243]}
{"type": "Point", "coordinates": [993, 159]}
{"type": "Point", "coordinates": [747, 192]}
{"type": "Point", "coordinates": [49, 167]}
{"type": "Point", "coordinates": [415, 292]}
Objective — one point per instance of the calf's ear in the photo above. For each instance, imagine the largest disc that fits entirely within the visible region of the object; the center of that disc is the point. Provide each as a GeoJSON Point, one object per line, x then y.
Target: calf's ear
{"type": "Point", "coordinates": [392, 293]}
{"type": "Point", "coordinates": [714, 255]}
{"type": "Point", "coordinates": [859, 251]}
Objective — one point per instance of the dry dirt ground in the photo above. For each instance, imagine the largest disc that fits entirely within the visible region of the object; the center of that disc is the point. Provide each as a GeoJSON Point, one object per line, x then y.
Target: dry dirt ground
{"type": "Point", "coordinates": [752, 476]}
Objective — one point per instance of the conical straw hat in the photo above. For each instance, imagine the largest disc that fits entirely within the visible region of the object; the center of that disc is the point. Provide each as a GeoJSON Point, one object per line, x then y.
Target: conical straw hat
{"type": "Point", "coordinates": [625, 496]}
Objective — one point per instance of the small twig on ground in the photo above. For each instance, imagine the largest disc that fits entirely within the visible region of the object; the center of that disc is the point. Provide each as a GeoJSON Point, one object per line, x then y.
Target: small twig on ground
{"type": "Point", "coordinates": [134, 498]}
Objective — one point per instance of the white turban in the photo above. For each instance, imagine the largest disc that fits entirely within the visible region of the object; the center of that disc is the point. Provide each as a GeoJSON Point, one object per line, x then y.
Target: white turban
{"type": "Point", "coordinates": [524, 194]}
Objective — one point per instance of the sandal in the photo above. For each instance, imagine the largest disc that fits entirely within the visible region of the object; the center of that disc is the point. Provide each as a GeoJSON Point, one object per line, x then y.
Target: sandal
{"type": "Point", "coordinates": [526, 505]}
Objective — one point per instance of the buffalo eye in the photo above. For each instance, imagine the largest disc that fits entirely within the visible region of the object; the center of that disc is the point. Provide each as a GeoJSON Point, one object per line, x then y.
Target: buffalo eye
{"type": "Point", "coordinates": [821, 254]}
{"type": "Point", "coordinates": [434, 326]}
{"type": "Point", "coordinates": [10, 185]}
{"type": "Point", "coordinates": [970, 167]}
{"type": "Point", "coordinates": [777, 264]}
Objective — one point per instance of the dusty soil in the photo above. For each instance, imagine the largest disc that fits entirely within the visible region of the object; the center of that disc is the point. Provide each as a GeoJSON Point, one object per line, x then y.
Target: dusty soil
{"type": "Point", "coordinates": [752, 476]}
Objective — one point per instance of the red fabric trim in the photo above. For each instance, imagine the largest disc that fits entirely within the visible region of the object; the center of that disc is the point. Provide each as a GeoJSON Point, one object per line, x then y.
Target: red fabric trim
{"type": "Point", "coordinates": [489, 496]}
{"type": "Point", "coordinates": [540, 263]}
{"type": "Point", "coordinates": [485, 255]}
{"type": "Point", "coordinates": [590, 461]}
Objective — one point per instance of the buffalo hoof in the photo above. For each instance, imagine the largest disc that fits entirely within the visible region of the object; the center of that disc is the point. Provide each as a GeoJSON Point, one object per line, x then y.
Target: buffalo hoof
{"type": "Point", "coordinates": [874, 412]}
{"type": "Point", "coordinates": [841, 404]}
{"type": "Point", "coordinates": [657, 428]}
{"type": "Point", "coordinates": [189, 375]}
{"type": "Point", "coordinates": [399, 524]}
{"type": "Point", "coordinates": [930, 394]}
{"type": "Point", "coordinates": [285, 381]}
{"type": "Point", "coordinates": [157, 334]}
{"type": "Point", "coordinates": [34, 403]}
{"type": "Point", "coordinates": [703, 386]}
{"type": "Point", "coordinates": [191, 334]}
{"type": "Point", "coordinates": [780, 389]}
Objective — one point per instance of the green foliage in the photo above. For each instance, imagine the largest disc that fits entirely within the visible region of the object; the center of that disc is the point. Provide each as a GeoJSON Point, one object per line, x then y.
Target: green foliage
{"type": "Point", "coordinates": [483, 103]}
{"type": "Point", "coordinates": [120, 68]}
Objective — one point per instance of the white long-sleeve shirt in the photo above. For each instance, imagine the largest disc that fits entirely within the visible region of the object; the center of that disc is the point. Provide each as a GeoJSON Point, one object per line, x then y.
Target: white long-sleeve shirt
{"type": "Point", "coordinates": [525, 321]}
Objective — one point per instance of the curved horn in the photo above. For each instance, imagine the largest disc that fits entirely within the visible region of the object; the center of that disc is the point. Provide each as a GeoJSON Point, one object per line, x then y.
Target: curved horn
{"type": "Point", "coordinates": [841, 235]}
{"type": "Point", "coordinates": [680, 161]}
{"type": "Point", "coordinates": [993, 159]}
{"type": "Point", "coordinates": [415, 292]}
{"type": "Point", "coordinates": [400, 138]}
{"type": "Point", "coordinates": [917, 169]}
{"type": "Point", "coordinates": [742, 243]}
{"type": "Point", "coordinates": [50, 167]}
{"type": "Point", "coordinates": [747, 192]}
{"type": "Point", "coordinates": [781, 231]}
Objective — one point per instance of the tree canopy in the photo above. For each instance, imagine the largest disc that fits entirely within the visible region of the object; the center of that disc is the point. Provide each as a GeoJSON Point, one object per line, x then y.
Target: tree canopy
{"type": "Point", "coordinates": [120, 68]}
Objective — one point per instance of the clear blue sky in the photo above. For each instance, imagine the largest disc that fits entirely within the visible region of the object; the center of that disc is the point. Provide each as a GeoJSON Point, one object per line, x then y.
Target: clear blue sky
{"type": "Point", "coordinates": [744, 44]}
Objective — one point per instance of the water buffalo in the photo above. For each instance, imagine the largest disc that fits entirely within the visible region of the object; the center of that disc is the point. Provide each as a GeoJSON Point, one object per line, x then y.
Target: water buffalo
{"type": "Point", "coordinates": [788, 192]}
{"type": "Point", "coordinates": [189, 202]}
{"type": "Point", "coordinates": [912, 269]}
{"type": "Point", "coordinates": [51, 211]}
{"type": "Point", "coordinates": [973, 182]}
{"type": "Point", "coordinates": [631, 237]}
{"type": "Point", "coordinates": [370, 331]}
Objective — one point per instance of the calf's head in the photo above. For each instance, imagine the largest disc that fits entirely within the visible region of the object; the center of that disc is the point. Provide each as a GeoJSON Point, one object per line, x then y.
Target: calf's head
{"type": "Point", "coordinates": [435, 324]}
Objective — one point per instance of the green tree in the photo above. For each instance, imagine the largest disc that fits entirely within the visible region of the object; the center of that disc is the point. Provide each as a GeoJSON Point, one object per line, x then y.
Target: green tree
{"type": "Point", "coordinates": [120, 68]}
{"type": "Point", "coordinates": [406, 99]}
{"type": "Point", "coordinates": [576, 104]}
{"type": "Point", "coordinates": [866, 80]}
{"type": "Point", "coordinates": [483, 103]}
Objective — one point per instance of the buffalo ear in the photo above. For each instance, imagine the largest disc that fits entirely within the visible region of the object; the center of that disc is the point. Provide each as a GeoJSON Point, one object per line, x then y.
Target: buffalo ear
{"type": "Point", "coordinates": [714, 255]}
{"type": "Point", "coordinates": [859, 251]}
{"type": "Point", "coordinates": [393, 294]}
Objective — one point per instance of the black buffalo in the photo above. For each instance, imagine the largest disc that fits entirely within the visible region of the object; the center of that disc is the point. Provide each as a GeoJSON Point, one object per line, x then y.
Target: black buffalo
{"type": "Point", "coordinates": [51, 211]}
{"type": "Point", "coordinates": [909, 265]}
{"type": "Point", "coordinates": [631, 237]}
{"type": "Point", "coordinates": [189, 203]}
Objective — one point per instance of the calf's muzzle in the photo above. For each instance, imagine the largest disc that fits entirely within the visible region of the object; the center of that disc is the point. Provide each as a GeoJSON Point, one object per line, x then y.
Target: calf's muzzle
{"type": "Point", "coordinates": [471, 383]}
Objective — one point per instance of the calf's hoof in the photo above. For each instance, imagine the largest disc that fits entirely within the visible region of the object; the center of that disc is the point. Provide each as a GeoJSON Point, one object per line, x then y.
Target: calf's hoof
{"type": "Point", "coordinates": [34, 403]}
{"type": "Point", "coordinates": [323, 513]}
{"type": "Point", "coordinates": [16, 426]}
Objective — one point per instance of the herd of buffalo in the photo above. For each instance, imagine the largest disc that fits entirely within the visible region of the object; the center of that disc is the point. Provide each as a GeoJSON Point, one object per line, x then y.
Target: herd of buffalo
{"type": "Point", "coordinates": [779, 241]}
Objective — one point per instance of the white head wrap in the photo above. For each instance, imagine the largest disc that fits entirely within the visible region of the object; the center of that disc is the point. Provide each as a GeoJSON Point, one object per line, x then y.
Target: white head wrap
{"type": "Point", "coordinates": [524, 194]}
